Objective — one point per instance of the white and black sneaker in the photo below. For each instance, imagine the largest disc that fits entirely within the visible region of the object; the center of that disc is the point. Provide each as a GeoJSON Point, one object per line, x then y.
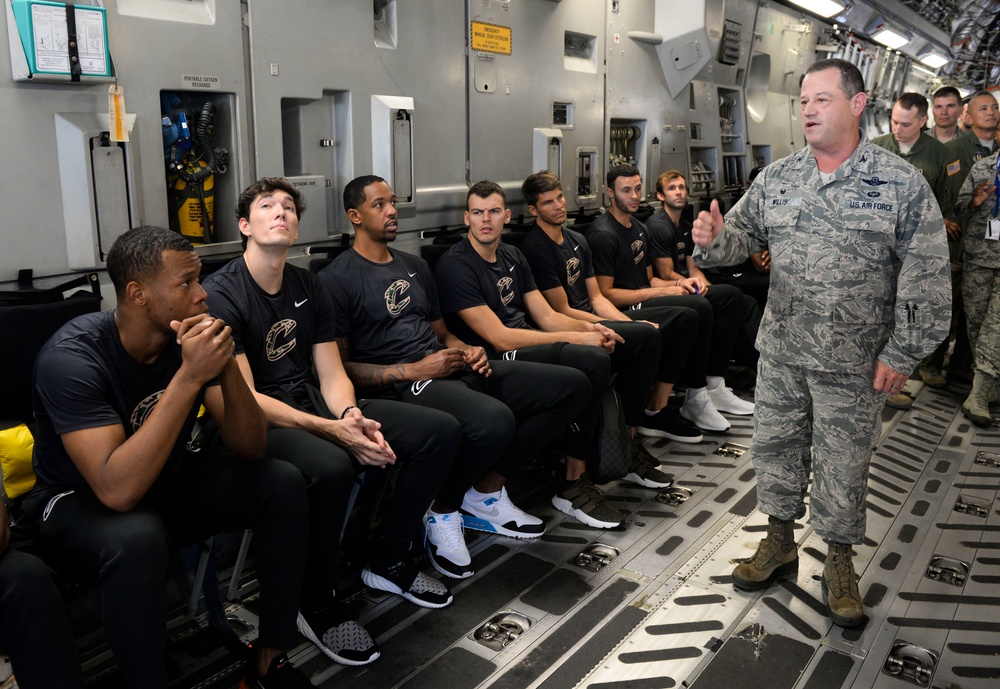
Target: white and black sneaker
{"type": "Point", "coordinates": [344, 641]}
{"type": "Point", "coordinates": [585, 502]}
{"type": "Point", "coordinates": [495, 513]}
{"type": "Point", "coordinates": [445, 543]}
{"type": "Point", "coordinates": [404, 579]}
{"type": "Point", "coordinates": [645, 470]}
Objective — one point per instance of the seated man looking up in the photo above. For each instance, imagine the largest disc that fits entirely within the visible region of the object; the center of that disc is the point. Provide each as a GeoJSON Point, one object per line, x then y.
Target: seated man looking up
{"type": "Point", "coordinates": [283, 326]}
{"type": "Point", "coordinates": [488, 294]}
{"type": "Point", "coordinates": [394, 343]}
{"type": "Point", "coordinates": [561, 264]}
{"type": "Point", "coordinates": [116, 396]}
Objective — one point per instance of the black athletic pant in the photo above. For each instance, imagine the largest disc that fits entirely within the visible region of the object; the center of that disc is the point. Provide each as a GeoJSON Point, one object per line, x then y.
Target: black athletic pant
{"type": "Point", "coordinates": [634, 362]}
{"type": "Point", "coordinates": [677, 333]}
{"type": "Point", "coordinates": [425, 442]}
{"type": "Point", "coordinates": [506, 418]}
{"type": "Point", "coordinates": [750, 282]}
{"type": "Point", "coordinates": [34, 631]}
{"type": "Point", "coordinates": [720, 315]}
{"type": "Point", "coordinates": [200, 495]}
{"type": "Point", "coordinates": [593, 362]}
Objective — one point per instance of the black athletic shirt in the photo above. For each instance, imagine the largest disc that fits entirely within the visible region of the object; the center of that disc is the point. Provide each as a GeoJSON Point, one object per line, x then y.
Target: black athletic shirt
{"type": "Point", "coordinates": [275, 331]}
{"type": "Point", "coordinates": [620, 252]}
{"type": "Point", "coordinates": [665, 241]}
{"type": "Point", "coordinates": [465, 281]}
{"type": "Point", "coordinates": [84, 378]}
{"type": "Point", "coordinates": [567, 265]}
{"type": "Point", "coordinates": [384, 309]}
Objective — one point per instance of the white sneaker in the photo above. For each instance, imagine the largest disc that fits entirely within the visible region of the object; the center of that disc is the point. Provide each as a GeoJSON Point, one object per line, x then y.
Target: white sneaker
{"type": "Point", "coordinates": [724, 399]}
{"type": "Point", "coordinates": [497, 514]}
{"type": "Point", "coordinates": [445, 543]}
{"type": "Point", "coordinates": [699, 410]}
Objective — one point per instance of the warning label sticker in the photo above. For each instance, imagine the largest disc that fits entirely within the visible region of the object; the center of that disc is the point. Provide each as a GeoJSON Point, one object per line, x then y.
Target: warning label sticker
{"type": "Point", "coordinates": [491, 38]}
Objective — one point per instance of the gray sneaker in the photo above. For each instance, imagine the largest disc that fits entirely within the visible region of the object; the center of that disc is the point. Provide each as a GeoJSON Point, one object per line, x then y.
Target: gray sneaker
{"type": "Point", "coordinates": [585, 502]}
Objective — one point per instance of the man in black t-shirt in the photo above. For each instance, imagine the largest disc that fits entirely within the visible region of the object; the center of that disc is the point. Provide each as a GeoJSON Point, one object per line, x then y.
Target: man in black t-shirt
{"type": "Point", "coordinates": [283, 325]}
{"type": "Point", "coordinates": [561, 264]}
{"type": "Point", "coordinates": [394, 342]}
{"type": "Point", "coordinates": [116, 395]}
{"type": "Point", "coordinates": [487, 295]}
{"type": "Point", "coordinates": [670, 248]}
{"type": "Point", "coordinates": [619, 242]}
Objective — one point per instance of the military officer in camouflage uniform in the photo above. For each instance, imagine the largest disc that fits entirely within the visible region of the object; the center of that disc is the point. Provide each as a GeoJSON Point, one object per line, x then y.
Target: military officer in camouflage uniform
{"type": "Point", "coordinates": [841, 218]}
{"type": "Point", "coordinates": [977, 201]}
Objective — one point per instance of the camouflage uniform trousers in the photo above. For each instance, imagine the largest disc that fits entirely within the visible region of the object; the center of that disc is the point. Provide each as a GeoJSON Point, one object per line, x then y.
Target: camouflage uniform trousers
{"type": "Point", "coordinates": [981, 291]}
{"type": "Point", "coordinates": [832, 417]}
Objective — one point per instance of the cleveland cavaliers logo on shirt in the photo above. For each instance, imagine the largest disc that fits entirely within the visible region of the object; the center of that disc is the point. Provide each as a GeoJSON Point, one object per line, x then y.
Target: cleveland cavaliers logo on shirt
{"type": "Point", "coordinates": [279, 331]}
{"type": "Point", "coordinates": [393, 303]}
{"type": "Point", "coordinates": [637, 252]}
{"type": "Point", "coordinates": [505, 287]}
{"type": "Point", "coordinates": [143, 409]}
{"type": "Point", "coordinates": [572, 271]}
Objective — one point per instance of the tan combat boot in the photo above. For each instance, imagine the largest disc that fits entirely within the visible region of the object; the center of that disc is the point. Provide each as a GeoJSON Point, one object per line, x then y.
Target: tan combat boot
{"type": "Point", "coordinates": [776, 556]}
{"type": "Point", "coordinates": [840, 587]}
{"type": "Point", "coordinates": [976, 406]}
{"type": "Point", "coordinates": [899, 401]}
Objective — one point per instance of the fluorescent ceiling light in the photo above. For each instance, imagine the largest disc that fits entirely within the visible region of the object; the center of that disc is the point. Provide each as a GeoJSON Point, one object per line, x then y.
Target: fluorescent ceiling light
{"type": "Point", "coordinates": [933, 59]}
{"type": "Point", "coordinates": [892, 39]}
{"type": "Point", "coordinates": [822, 8]}
{"type": "Point", "coordinates": [880, 31]}
{"type": "Point", "coordinates": [927, 72]}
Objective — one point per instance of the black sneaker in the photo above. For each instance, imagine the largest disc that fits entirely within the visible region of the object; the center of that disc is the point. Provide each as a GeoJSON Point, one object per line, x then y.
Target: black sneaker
{"type": "Point", "coordinates": [667, 423]}
{"type": "Point", "coordinates": [645, 469]}
{"type": "Point", "coordinates": [344, 639]}
{"type": "Point", "coordinates": [280, 675]}
{"type": "Point", "coordinates": [404, 579]}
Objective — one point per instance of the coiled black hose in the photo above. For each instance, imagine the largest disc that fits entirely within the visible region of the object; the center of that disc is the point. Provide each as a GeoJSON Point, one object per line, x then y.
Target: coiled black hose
{"type": "Point", "coordinates": [203, 138]}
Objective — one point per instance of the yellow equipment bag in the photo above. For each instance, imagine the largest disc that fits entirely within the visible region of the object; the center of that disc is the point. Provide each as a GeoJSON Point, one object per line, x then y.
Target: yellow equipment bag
{"type": "Point", "coordinates": [16, 444]}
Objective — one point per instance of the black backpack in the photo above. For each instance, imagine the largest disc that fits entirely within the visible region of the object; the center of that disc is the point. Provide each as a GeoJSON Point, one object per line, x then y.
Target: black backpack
{"type": "Point", "coordinates": [614, 441]}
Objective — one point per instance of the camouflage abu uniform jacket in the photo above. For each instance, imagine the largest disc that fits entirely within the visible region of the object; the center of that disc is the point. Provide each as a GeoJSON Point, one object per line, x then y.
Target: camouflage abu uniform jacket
{"type": "Point", "coordinates": [978, 249]}
{"type": "Point", "coordinates": [835, 303]}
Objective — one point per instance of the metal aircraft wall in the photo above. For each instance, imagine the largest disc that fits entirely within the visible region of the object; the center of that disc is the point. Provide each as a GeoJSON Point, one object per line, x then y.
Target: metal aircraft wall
{"type": "Point", "coordinates": [324, 91]}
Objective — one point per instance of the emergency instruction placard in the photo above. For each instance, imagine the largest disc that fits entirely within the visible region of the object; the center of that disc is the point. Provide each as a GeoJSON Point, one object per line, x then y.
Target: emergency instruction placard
{"type": "Point", "coordinates": [49, 34]}
{"type": "Point", "coordinates": [490, 38]}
